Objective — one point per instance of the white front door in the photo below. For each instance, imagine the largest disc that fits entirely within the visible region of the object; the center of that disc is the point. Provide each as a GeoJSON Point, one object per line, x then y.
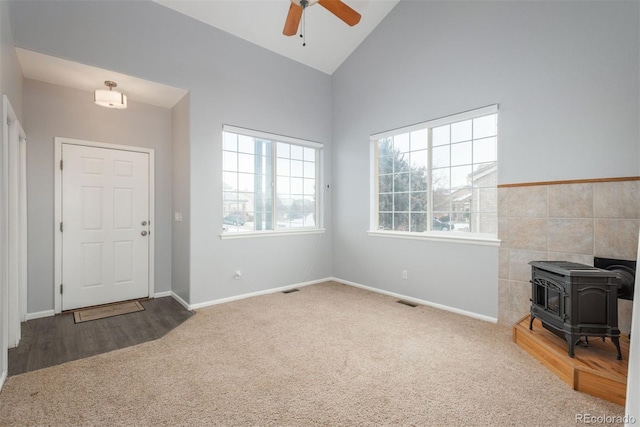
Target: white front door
{"type": "Point", "coordinates": [105, 225]}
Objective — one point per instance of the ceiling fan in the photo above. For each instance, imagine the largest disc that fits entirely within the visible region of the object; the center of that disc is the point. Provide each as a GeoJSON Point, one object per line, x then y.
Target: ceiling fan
{"type": "Point", "coordinates": [337, 7]}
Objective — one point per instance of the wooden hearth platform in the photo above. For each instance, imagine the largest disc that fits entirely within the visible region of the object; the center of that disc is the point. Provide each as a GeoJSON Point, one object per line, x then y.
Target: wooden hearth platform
{"type": "Point", "coordinates": [594, 370]}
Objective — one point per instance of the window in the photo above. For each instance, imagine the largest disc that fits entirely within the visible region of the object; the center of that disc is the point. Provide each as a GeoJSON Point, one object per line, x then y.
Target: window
{"type": "Point", "coordinates": [269, 182]}
{"type": "Point", "coordinates": [439, 175]}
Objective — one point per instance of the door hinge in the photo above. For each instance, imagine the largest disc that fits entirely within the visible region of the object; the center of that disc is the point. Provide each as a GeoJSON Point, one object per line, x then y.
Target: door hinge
{"type": "Point", "coordinates": [61, 286]}
{"type": "Point", "coordinates": [60, 164]}
{"type": "Point", "coordinates": [61, 227]}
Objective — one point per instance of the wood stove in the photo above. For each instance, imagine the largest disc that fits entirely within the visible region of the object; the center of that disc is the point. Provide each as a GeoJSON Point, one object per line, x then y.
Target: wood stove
{"type": "Point", "coordinates": [574, 301]}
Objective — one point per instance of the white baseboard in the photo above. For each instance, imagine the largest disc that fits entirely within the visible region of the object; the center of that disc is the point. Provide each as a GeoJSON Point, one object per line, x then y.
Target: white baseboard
{"type": "Point", "coordinates": [162, 294]}
{"type": "Point", "coordinates": [418, 301]}
{"type": "Point", "coordinates": [3, 377]}
{"type": "Point", "coordinates": [181, 301]}
{"type": "Point", "coordinates": [255, 294]}
{"type": "Point", "coordinates": [39, 314]}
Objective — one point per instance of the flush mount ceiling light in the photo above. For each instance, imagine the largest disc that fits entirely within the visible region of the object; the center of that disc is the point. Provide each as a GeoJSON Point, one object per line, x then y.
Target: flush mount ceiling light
{"type": "Point", "coordinates": [110, 98]}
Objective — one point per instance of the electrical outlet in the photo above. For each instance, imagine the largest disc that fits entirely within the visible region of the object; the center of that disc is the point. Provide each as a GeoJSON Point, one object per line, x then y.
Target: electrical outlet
{"type": "Point", "coordinates": [238, 275]}
{"type": "Point", "coordinates": [404, 274]}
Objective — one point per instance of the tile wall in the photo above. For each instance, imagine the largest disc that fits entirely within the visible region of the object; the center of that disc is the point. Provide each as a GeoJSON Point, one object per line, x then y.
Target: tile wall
{"type": "Point", "coordinates": [565, 221]}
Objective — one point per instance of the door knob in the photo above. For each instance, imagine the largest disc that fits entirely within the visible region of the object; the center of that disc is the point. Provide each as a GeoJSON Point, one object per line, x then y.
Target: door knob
{"type": "Point", "coordinates": [144, 223]}
{"type": "Point", "coordinates": [144, 232]}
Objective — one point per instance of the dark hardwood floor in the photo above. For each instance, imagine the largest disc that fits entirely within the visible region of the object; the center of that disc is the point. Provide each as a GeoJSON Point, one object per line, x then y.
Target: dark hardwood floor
{"type": "Point", "coordinates": [54, 340]}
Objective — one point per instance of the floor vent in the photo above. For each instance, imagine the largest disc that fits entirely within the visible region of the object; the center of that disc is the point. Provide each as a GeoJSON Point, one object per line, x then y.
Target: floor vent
{"type": "Point", "coordinates": [288, 291]}
{"type": "Point", "coordinates": [410, 304]}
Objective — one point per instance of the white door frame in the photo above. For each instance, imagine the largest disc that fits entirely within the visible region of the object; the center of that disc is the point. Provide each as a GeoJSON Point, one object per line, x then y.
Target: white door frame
{"type": "Point", "coordinates": [58, 208]}
{"type": "Point", "coordinates": [13, 283]}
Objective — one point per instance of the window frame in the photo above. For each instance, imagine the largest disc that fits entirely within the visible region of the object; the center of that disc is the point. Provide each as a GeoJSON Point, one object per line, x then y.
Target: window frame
{"type": "Point", "coordinates": [479, 238]}
{"type": "Point", "coordinates": [319, 195]}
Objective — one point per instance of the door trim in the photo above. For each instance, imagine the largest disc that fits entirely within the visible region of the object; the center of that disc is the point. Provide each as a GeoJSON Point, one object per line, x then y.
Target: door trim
{"type": "Point", "coordinates": [59, 141]}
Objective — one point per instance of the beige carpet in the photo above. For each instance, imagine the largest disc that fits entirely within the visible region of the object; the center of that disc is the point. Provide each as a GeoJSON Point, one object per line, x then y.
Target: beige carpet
{"type": "Point", "coordinates": [329, 355]}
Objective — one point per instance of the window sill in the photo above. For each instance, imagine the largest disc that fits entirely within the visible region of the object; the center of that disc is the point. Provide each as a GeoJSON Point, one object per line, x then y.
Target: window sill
{"type": "Point", "coordinates": [441, 236]}
{"type": "Point", "coordinates": [271, 233]}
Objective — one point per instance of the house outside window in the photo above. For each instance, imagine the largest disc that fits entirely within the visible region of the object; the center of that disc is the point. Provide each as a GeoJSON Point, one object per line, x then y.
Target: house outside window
{"type": "Point", "coordinates": [437, 176]}
{"type": "Point", "coordinates": [269, 183]}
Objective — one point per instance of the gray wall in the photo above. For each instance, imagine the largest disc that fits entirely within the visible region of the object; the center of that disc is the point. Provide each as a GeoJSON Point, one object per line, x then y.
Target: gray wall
{"type": "Point", "coordinates": [52, 111]}
{"type": "Point", "coordinates": [566, 77]}
{"type": "Point", "coordinates": [230, 81]}
{"type": "Point", "coordinates": [181, 199]}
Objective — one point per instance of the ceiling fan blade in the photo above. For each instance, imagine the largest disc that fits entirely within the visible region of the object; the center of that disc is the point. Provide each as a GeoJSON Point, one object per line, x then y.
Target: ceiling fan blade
{"type": "Point", "coordinates": [342, 11]}
{"type": "Point", "coordinates": [293, 20]}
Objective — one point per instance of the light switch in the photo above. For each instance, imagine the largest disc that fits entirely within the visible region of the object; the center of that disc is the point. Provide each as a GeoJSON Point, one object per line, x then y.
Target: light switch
{"type": "Point", "coordinates": [177, 216]}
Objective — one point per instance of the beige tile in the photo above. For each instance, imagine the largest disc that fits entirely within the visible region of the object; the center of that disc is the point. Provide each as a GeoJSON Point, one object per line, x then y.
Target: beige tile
{"type": "Point", "coordinates": [503, 297]}
{"type": "Point", "coordinates": [570, 201]}
{"type": "Point", "coordinates": [528, 233]}
{"type": "Point", "coordinates": [624, 315]}
{"type": "Point", "coordinates": [503, 231]}
{"type": "Point", "coordinates": [503, 263]}
{"type": "Point", "coordinates": [616, 238]}
{"type": "Point", "coordinates": [528, 202]}
{"type": "Point", "coordinates": [519, 269]}
{"type": "Point", "coordinates": [579, 258]}
{"type": "Point", "coordinates": [617, 200]}
{"type": "Point", "coordinates": [519, 297]}
{"type": "Point", "coordinates": [515, 317]}
{"type": "Point", "coordinates": [573, 235]}
{"type": "Point", "coordinates": [503, 202]}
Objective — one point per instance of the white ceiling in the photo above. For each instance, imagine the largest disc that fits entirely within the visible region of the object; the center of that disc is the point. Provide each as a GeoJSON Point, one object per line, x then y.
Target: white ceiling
{"type": "Point", "coordinates": [329, 41]}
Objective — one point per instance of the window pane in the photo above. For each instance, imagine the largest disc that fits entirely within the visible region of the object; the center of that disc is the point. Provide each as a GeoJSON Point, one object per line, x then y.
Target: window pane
{"type": "Point", "coordinates": [309, 154]}
{"type": "Point", "coordinates": [385, 183]}
{"type": "Point", "coordinates": [441, 135]}
{"type": "Point", "coordinates": [229, 141]}
{"type": "Point", "coordinates": [419, 181]}
{"type": "Point", "coordinates": [245, 144]}
{"type": "Point", "coordinates": [229, 181]}
{"type": "Point", "coordinates": [385, 202]}
{"type": "Point", "coordinates": [442, 222]}
{"type": "Point", "coordinates": [385, 221]}
{"type": "Point", "coordinates": [401, 182]}
{"type": "Point", "coordinates": [296, 152]}
{"type": "Point", "coordinates": [283, 167]}
{"type": "Point", "coordinates": [309, 170]}
{"type": "Point", "coordinates": [229, 161]}
{"type": "Point", "coordinates": [485, 126]}
{"type": "Point", "coordinates": [485, 175]}
{"type": "Point", "coordinates": [485, 150]}
{"type": "Point", "coordinates": [461, 131]}
{"type": "Point", "coordinates": [441, 156]}
{"type": "Point", "coordinates": [401, 163]}
{"type": "Point", "coordinates": [401, 221]}
{"type": "Point", "coordinates": [419, 159]}
{"type": "Point", "coordinates": [309, 187]}
{"type": "Point", "coordinates": [419, 202]}
{"type": "Point", "coordinates": [401, 143]}
{"type": "Point", "coordinates": [283, 184]}
{"type": "Point", "coordinates": [461, 153]}
{"type": "Point", "coordinates": [419, 222]}
{"type": "Point", "coordinates": [419, 140]}
{"type": "Point", "coordinates": [385, 165]}
{"type": "Point", "coordinates": [441, 200]}
{"type": "Point", "coordinates": [460, 176]}
{"type": "Point", "coordinates": [246, 182]}
{"type": "Point", "coordinates": [401, 202]}
{"type": "Point", "coordinates": [283, 150]}
{"type": "Point", "coordinates": [245, 163]}
{"type": "Point", "coordinates": [296, 185]}
{"type": "Point", "coordinates": [441, 180]}
{"type": "Point", "coordinates": [296, 168]}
